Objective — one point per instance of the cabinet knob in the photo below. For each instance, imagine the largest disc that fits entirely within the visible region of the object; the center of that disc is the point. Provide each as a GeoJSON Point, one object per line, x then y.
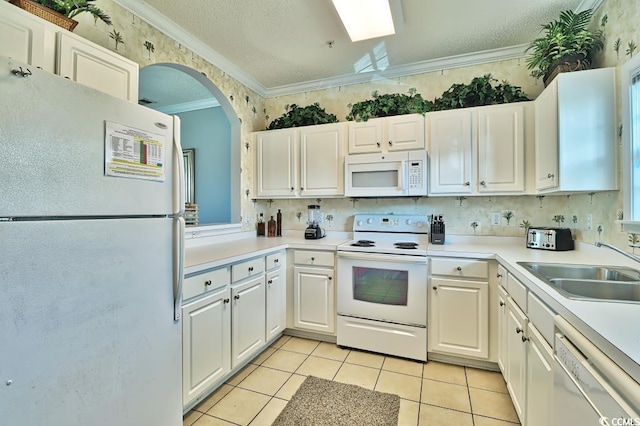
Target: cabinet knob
{"type": "Point", "coordinates": [270, 282]}
{"type": "Point", "coordinates": [483, 183]}
{"type": "Point", "coordinates": [378, 143]}
{"type": "Point", "coordinates": [276, 260]}
{"type": "Point", "coordinates": [292, 188]}
{"type": "Point", "coordinates": [550, 175]}
{"type": "Point", "coordinates": [519, 330]}
{"type": "Point", "coordinates": [250, 268]}
{"type": "Point", "coordinates": [525, 339]}
{"type": "Point", "coordinates": [207, 283]}
{"type": "Point", "coordinates": [236, 297]}
{"type": "Point", "coordinates": [459, 268]}
{"type": "Point", "coordinates": [499, 275]}
{"type": "Point", "coordinates": [301, 189]}
{"type": "Point", "coordinates": [390, 143]}
{"type": "Point", "coordinates": [330, 278]}
{"type": "Point", "coordinates": [226, 301]}
{"type": "Point", "coordinates": [434, 287]}
{"type": "Point", "coordinates": [467, 183]}
{"type": "Point", "coordinates": [502, 303]}
{"type": "Point", "coordinates": [313, 258]}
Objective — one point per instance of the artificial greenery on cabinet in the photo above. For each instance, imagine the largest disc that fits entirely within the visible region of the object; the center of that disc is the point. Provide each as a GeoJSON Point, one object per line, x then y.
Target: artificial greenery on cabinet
{"type": "Point", "coordinates": [302, 116]}
{"type": "Point", "coordinates": [389, 104]}
{"type": "Point", "coordinates": [479, 92]}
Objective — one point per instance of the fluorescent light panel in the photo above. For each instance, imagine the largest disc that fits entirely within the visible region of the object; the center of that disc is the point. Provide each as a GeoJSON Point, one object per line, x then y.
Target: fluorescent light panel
{"type": "Point", "coordinates": [365, 19]}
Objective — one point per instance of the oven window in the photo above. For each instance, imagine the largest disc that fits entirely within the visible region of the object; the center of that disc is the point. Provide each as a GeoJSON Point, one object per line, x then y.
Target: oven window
{"type": "Point", "coordinates": [384, 286]}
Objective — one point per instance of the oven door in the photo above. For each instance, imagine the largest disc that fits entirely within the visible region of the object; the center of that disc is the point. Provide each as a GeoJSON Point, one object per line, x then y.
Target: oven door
{"type": "Point", "coordinates": [383, 287]}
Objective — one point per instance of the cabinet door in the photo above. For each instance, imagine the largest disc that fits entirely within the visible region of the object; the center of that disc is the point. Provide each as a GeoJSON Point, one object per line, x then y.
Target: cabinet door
{"type": "Point", "coordinates": [546, 123]}
{"type": "Point", "coordinates": [502, 330]}
{"type": "Point", "coordinates": [206, 343]}
{"type": "Point", "coordinates": [26, 38]}
{"type": "Point", "coordinates": [405, 132]}
{"type": "Point", "coordinates": [501, 148]}
{"type": "Point", "coordinates": [365, 136]}
{"type": "Point", "coordinates": [516, 361]}
{"type": "Point", "coordinates": [276, 163]}
{"type": "Point", "coordinates": [276, 303]}
{"type": "Point", "coordinates": [450, 139]}
{"type": "Point", "coordinates": [539, 379]}
{"type": "Point", "coordinates": [459, 317]}
{"type": "Point", "coordinates": [99, 68]}
{"type": "Point", "coordinates": [248, 319]}
{"type": "Point", "coordinates": [321, 160]}
{"type": "Point", "coordinates": [313, 295]}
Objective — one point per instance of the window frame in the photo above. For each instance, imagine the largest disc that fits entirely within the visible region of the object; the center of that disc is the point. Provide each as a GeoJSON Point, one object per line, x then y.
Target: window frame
{"type": "Point", "coordinates": [628, 71]}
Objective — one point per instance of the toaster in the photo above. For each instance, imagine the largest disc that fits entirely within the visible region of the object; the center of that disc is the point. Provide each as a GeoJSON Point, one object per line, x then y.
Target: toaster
{"type": "Point", "coordinates": [549, 238]}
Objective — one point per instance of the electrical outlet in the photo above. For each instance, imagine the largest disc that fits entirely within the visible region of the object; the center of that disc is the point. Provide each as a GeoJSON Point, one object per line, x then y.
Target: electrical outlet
{"type": "Point", "coordinates": [589, 226]}
{"type": "Point", "coordinates": [495, 218]}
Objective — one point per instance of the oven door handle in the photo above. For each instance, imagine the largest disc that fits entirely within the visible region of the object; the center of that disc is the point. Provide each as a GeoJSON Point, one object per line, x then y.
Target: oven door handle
{"type": "Point", "coordinates": [383, 257]}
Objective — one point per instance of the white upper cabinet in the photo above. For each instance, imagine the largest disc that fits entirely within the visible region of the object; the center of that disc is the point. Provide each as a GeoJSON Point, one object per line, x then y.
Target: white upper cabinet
{"type": "Point", "coordinates": [396, 133]}
{"type": "Point", "coordinates": [576, 133]}
{"type": "Point", "coordinates": [32, 40]}
{"type": "Point", "coordinates": [27, 38]}
{"type": "Point", "coordinates": [478, 150]}
{"type": "Point", "coordinates": [301, 162]}
{"type": "Point", "coordinates": [322, 159]}
{"type": "Point", "coordinates": [96, 67]}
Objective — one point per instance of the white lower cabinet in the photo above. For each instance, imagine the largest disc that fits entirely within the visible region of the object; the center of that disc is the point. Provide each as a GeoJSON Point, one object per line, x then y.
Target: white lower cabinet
{"type": "Point", "coordinates": [503, 353]}
{"type": "Point", "coordinates": [516, 357]}
{"type": "Point", "coordinates": [539, 380]}
{"type": "Point", "coordinates": [314, 291]}
{"type": "Point", "coordinates": [276, 300]}
{"type": "Point", "coordinates": [459, 317]}
{"type": "Point", "coordinates": [206, 343]}
{"type": "Point", "coordinates": [248, 319]}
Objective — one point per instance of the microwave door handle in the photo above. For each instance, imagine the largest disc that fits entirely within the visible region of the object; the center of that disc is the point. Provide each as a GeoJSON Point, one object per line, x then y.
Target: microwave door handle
{"type": "Point", "coordinates": [402, 177]}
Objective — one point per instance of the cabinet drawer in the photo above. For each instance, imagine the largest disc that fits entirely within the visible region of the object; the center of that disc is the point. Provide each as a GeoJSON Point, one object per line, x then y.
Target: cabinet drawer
{"type": "Point", "coordinates": [541, 316]}
{"type": "Point", "coordinates": [467, 268]}
{"type": "Point", "coordinates": [247, 269]}
{"type": "Point", "coordinates": [315, 258]}
{"type": "Point", "coordinates": [274, 260]}
{"type": "Point", "coordinates": [202, 283]}
{"type": "Point", "coordinates": [517, 291]}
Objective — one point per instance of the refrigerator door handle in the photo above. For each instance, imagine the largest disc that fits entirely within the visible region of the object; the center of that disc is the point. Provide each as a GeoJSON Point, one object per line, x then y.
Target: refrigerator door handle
{"type": "Point", "coordinates": [178, 254]}
{"type": "Point", "coordinates": [178, 191]}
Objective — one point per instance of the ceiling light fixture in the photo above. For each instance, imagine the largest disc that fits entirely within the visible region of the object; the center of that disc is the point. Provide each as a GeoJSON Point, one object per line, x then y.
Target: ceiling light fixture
{"type": "Point", "coordinates": [365, 19]}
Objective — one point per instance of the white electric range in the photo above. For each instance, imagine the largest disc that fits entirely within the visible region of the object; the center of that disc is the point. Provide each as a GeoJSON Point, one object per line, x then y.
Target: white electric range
{"type": "Point", "coordinates": [382, 285]}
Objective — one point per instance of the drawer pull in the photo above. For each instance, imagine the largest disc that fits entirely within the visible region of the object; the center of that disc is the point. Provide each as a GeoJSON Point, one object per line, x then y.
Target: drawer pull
{"type": "Point", "coordinates": [499, 275]}
{"type": "Point", "coordinates": [435, 288]}
{"type": "Point", "coordinates": [459, 268]}
{"type": "Point", "coordinates": [226, 301]}
{"type": "Point", "coordinates": [276, 260]}
{"type": "Point", "coordinates": [501, 303]}
{"type": "Point", "coordinates": [207, 283]}
{"type": "Point", "coordinates": [313, 258]}
{"type": "Point", "coordinates": [270, 282]}
{"type": "Point", "coordinates": [519, 330]}
{"type": "Point", "coordinates": [250, 268]}
{"type": "Point", "coordinates": [236, 297]}
{"type": "Point", "coordinates": [525, 339]}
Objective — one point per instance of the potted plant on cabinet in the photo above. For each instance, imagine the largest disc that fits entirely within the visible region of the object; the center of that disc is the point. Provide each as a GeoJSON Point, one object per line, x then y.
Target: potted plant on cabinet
{"type": "Point", "coordinates": [302, 116]}
{"type": "Point", "coordinates": [388, 105]}
{"type": "Point", "coordinates": [566, 45]}
{"type": "Point", "coordinates": [61, 12]}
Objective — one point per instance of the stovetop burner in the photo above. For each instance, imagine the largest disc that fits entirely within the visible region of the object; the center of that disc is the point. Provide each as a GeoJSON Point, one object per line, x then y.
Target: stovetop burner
{"type": "Point", "coordinates": [406, 245]}
{"type": "Point", "coordinates": [363, 243]}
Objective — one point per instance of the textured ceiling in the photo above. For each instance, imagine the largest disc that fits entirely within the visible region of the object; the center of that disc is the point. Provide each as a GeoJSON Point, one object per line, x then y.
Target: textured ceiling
{"type": "Point", "coordinates": [165, 86]}
{"type": "Point", "coordinates": [283, 43]}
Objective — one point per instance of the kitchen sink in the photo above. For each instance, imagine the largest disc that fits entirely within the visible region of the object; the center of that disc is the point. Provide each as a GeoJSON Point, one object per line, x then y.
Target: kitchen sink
{"type": "Point", "coordinates": [586, 282]}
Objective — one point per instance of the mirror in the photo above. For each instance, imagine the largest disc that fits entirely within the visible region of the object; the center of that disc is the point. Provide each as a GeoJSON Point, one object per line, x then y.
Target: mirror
{"type": "Point", "coordinates": [210, 127]}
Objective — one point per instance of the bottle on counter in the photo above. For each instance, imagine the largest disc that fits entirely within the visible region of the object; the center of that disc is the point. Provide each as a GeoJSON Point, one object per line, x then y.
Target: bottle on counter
{"type": "Point", "coordinates": [271, 227]}
{"type": "Point", "coordinates": [279, 224]}
{"type": "Point", "coordinates": [260, 226]}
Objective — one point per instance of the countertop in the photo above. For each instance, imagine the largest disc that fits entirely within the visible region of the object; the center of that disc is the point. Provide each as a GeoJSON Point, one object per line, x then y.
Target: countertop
{"type": "Point", "coordinates": [609, 325]}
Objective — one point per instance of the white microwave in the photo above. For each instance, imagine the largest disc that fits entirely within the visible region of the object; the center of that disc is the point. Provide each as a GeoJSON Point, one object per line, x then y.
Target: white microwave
{"type": "Point", "coordinates": [394, 174]}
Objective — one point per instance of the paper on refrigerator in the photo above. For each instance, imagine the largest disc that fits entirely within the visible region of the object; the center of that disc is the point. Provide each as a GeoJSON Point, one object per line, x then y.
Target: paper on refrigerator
{"type": "Point", "coordinates": [133, 153]}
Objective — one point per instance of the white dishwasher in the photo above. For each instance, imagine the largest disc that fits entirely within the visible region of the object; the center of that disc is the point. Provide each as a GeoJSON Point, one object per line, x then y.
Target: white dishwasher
{"type": "Point", "coordinates": [589, 388]}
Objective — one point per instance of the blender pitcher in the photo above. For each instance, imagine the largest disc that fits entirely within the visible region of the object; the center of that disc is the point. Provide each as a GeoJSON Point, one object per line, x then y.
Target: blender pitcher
{"type": "Point", "coordinates": [314, 219]}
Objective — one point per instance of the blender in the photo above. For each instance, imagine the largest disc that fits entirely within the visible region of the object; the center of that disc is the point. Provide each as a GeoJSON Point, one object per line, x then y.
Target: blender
{"type": "Point", "coordinates": [314, 219]}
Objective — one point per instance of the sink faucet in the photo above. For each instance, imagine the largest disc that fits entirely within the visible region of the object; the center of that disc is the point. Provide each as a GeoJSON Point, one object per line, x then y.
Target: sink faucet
{"type": "Point", "coordinates": [614, 248]}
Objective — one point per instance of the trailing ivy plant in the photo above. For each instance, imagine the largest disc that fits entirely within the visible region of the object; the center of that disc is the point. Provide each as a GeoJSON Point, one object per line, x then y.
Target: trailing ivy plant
{"type": "Point", "coordinates": [302, 116]}
{"type": "Point", "coordinates": [480, 91]}
{"type": "Point", "coordinates": [389, 104]}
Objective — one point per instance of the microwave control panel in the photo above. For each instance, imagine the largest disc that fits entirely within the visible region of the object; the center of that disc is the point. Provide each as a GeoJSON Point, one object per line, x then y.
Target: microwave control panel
{"type": "Point", "coordinates": [415, 174]}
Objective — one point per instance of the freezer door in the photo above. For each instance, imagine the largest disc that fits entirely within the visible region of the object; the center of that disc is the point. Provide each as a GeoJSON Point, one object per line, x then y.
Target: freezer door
{"type": "Point", "coordinates": [52, 161]}
{"type": "Point", "coordinates": [87, 329]}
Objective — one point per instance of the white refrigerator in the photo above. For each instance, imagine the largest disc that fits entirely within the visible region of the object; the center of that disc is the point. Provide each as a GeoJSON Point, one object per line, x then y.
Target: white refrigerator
{"type": "Point", "coordinates": [91, 256]}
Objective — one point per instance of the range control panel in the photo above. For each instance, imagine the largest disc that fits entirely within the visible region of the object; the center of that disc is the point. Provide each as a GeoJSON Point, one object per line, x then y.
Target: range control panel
{"type": "Point", "coordinates": [406, 223]}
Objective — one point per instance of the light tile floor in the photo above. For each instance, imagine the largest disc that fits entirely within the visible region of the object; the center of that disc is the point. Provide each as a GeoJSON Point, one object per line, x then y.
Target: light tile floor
{"type": "Point", "coordinates": [431, 394]}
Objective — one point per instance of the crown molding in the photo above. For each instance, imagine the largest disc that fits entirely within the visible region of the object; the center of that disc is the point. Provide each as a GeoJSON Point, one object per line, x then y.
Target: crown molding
{"type": "Point", "coordinates": [189, 106]}
{"type": "Point", "coordinates": [154, 18]}
{"type": "Point", "coordinates": [439, 64]}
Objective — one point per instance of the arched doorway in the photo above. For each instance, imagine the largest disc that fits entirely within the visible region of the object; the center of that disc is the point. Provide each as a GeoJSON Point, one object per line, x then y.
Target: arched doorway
{"type": "Point", "coordinates": [209, 128]}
